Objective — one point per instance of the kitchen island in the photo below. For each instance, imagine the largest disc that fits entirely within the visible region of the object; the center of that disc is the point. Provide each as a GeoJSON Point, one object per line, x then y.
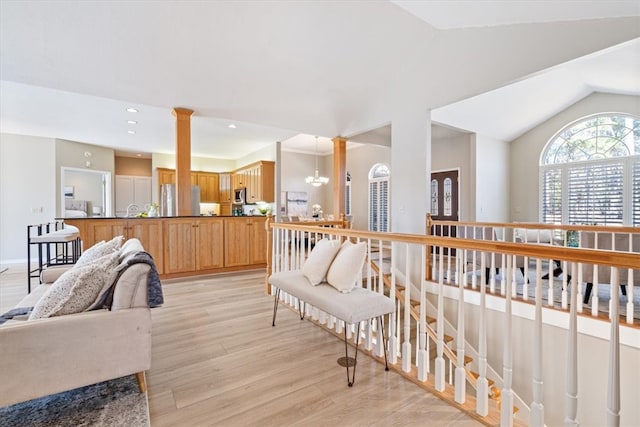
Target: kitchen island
{"type": "Point", "coordinates": [186, 245]}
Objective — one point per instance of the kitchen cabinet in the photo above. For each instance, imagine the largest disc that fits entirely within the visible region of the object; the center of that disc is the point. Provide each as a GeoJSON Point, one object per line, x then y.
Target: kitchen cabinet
{"type": "Point", "coordinates": [225, 193]}
{"type": "Point", "coordinates": [148, 231]}
{"type": "Point", "coordinates": [245, 241]}
{"type": "Point", "coordinates": [166, 176]}
{"type": "Point", "coordinates": [193, 245]}
{"type": "Point", "coordinates": [131, 190]}
{"type": "Point", "coordinates": [209, 191]}
{"type": "Point", "coordinates": [258, 178]}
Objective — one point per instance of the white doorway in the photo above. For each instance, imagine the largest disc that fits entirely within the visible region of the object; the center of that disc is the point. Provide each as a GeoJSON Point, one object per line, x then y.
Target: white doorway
{"type": "Point", "coordinates": [88, 185]}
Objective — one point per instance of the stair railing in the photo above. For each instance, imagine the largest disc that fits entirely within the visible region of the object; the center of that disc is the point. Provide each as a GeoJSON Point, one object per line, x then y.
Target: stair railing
{"type": "Point", "coordinates": [402, 259]}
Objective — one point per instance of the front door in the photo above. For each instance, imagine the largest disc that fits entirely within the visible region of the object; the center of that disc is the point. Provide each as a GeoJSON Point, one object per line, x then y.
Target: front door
{"type": "Point", "coordinates": [444, 201]}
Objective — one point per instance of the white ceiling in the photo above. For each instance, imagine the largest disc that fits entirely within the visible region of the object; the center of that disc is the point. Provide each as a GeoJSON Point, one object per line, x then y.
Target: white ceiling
{"type": "Point", "coordinates": [280, 71]}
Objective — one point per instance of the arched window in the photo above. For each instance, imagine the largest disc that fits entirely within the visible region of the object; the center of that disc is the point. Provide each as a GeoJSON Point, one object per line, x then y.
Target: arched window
{"type": "Point", "coordinates": [590, 172]}
{"type": "Point", "coordinates": [379, 198]}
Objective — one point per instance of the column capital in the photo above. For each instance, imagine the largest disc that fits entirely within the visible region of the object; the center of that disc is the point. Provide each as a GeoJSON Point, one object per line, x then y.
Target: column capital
{"type": "Point", "coordinates": [182, 113]}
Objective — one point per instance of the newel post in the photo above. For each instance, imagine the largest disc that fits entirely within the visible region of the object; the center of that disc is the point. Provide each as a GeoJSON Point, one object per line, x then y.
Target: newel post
{"type": "Point", "coordinates": [428, 233]}
{"type": "Point", "coordinates": [344, 221]}
{"type": "Point", "coordinates": [267, 226]}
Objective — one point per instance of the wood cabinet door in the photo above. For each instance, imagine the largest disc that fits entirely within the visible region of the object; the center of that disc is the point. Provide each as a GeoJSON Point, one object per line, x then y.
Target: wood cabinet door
{"type": "Point", "coordinates": [149, 232]}
{"type": "Point", "coordinates": [166, 176]}
{"type": "Point", "coordinates": [209, 192]}
{"type": "Point", "coordinates": [210, 244]}
{"type": "Point", "coordinates": [267, 181]}
{"type": "Point", "coordinates": [236, 242]}
{"type": "Point", "coordinates": [103, 229]}
{"type": "Point", "coordinates": [224, 185]}
{"type": "Point", "coordinates": [258, 241]}
{"type": "Point", "coordinates": [179, 246]}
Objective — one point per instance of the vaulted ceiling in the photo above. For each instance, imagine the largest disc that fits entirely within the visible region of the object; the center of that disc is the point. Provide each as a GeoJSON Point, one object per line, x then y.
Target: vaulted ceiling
{"type": "Point", "coordinates": [279, 69]}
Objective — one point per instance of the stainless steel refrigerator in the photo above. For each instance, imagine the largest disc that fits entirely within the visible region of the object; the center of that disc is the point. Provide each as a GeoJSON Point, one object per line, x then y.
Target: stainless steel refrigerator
{"type": "Point", "coordinates": [168, 200]}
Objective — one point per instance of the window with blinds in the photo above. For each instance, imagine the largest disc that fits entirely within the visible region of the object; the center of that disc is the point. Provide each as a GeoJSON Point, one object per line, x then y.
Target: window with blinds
{"type": "Point", "coordinates": [379, 198]}
{"type": "Point", "coordinates": [595, 194]}
{"type": "Point", "coordinates": [590, 172]}
{"type": "Point", "coordinates": [552, 196]}
{"type": "Point", "coordinates": [636, 193]}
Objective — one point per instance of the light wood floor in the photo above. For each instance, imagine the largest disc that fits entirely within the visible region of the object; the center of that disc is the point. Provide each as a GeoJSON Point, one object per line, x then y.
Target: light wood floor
{"type": "Point", "coordinates": [217, 361]}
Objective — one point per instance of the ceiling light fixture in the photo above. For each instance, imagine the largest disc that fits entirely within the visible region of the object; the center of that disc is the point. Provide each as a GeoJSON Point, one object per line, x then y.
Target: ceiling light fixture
{"type": "Point", "coordinates": [232, 126]}
{"type": "Point", "coordinates": [132, 110]}
{"type": "Point", "coordinates": [131, 132]}
{"type": "Point", "coordinates": [316, 180]}
{"type": "Point", "coordinates": [132, 122]}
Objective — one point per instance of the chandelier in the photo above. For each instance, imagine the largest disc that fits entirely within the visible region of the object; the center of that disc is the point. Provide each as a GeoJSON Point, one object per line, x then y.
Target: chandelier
{"type": "Point", "coordinates": [316, 180]}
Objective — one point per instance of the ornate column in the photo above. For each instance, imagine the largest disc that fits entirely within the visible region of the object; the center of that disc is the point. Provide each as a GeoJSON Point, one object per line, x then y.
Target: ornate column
{"type": "Point", "coordinates": [183, 160]}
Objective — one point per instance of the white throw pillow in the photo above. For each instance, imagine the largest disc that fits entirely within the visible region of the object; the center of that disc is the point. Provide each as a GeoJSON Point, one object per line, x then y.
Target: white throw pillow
{"type": "Point", "coordinates": [347, 266]}
{"type": "Point", "coordinates": [76, 289]}
{"type": "Point", "coordinates": [317, 264]}
{"type": "Point", "coordinates": [99, 250]}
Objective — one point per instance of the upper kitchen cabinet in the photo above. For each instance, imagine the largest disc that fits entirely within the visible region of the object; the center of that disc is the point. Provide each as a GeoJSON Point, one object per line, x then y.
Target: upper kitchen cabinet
{"type": "Point", "coordinates": [132, 190]}
{"type": "Point", "coordinates": [258, 178]}
{"type": "Point", "coordinates": [209, 191]}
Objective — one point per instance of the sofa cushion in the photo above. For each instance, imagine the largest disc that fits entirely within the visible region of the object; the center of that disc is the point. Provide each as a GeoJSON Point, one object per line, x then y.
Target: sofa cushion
{"type": "Point", "coordinates": [317, 264]}
{"type": "Point", "coordinates": [76, 289]}
{"type": "Point", "coordinates": [99, 250]}
{"type": "Point", "coordinates": [347, 266]}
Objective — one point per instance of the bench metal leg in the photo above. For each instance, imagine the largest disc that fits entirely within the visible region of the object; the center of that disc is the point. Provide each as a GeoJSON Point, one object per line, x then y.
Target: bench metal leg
{"type": "Point", "coordinates": [348, 361]}
{"type": "Point", "coordinates": [275, 306]}
{"type": "Point", "coordinates": [384, 342]}
{"type": "Point", "coordinates": [301, 308]}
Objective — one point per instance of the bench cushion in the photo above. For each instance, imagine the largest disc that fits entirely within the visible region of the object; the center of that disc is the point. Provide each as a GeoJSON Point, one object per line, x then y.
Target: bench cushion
{"type": "Point", "coordinates": [360, 304]}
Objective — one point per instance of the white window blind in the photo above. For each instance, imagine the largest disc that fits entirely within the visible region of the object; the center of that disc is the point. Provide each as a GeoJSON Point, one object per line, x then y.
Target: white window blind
{"type": "Point", "coordinates": [595, 193]}
{"type": "Point", "coordinates": [636, 193]}
{"type": "Point", "coordinates": [379, 204]}
{"type": "Point", "coordinates": [552, 196]}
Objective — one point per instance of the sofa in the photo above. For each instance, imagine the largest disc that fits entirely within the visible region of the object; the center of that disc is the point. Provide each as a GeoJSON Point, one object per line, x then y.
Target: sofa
{"type": "Point", "coordinates": [63, 351]}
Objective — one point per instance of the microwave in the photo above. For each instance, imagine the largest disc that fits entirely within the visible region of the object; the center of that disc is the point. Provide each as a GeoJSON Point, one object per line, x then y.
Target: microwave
{"type": "Point", "coordinates": [240, 196]}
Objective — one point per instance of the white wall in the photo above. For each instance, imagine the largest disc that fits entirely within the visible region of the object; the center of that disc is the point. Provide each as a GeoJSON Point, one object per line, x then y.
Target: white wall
{"type": "Point", "coordinates": [491, 179]}
{"type": "Point", "coordinates": [295, 168]}
{"type": "Point", "coordinates": [525, 153]}
{"type": "Point", "coordinates": [27, 181]}
{"type": "Point", "coordinates": [455, 153]}
{"type": "Point", "coordinates": [267, 153]}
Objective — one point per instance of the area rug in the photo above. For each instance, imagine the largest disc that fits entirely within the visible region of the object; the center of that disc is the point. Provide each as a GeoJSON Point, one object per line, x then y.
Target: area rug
{"type": "Point", "coordinates": [116, 402]}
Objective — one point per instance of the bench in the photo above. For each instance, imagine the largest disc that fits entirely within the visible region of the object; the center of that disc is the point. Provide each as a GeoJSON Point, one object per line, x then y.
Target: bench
{"type": "Point", "coordinates": [352, 308]}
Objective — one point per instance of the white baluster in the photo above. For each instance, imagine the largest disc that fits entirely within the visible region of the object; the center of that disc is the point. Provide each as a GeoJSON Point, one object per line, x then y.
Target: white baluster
{"type": "Point", "coordinates": [565, 294]}
{"type": "Point", "coordinates": [595, 300]}
{"type": "Point", "coordinates": [423, 357]}
{"type": "Point", "coordinates": [395, 316]}
{"type": "Point", "coordinates": [613, 389]}
{"type": "Point", "coordinates": [461, 377]}
{"type": "Point", "coordinates": [506, 396]}
{"type": "Point", "coordinates": [406, 345]}
{"type": "Point", "coordinates": [630, 286]}
{"type": "Point", "coordinates": [537, 406]}
{"type": "Point", "coordinates": [439, 364]}
{"type": "Point", "coordinates": [482, 396]}
{"type": "Point", "coordinates": [572, 357]}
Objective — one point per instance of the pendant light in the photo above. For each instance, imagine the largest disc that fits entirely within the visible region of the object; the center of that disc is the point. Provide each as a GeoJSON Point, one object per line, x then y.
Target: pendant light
{"type": "Point", "coordinates": [316, 180]}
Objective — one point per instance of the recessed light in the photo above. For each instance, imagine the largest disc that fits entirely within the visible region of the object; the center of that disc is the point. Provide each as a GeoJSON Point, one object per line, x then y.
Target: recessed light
{"type": "Point", "coordinates": [232, 126]}
{"type": "Point", "coordinates": [132, 110]}
{"type": "Point", "coordinates": [139, 155]}
{"type": "Point", "coordinates": [132, 132]}
{"type": "Point", "coordinates": [132, 122]}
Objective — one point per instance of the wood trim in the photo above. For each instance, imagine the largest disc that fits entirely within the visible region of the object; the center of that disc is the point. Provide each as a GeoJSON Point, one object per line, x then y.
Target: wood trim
{"type": "Point", "coordinates": [183, 160]}
{"type": "Point", "coordinates": [339, 175]}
